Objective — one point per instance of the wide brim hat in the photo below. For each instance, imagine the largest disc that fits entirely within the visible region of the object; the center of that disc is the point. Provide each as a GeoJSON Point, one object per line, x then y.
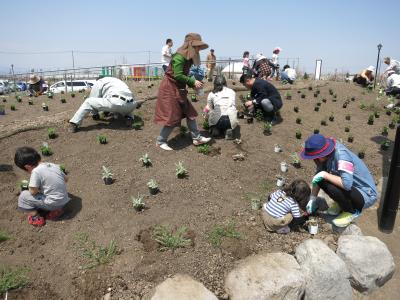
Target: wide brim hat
{"type": "Point", "coordinates": [33, 79]}
{"type": "Point", "coordinates": [317, 146]}
{"type": "Point", "coordinates": [371, 68]}
{"type": "Point", "coordinates": [195, 40]}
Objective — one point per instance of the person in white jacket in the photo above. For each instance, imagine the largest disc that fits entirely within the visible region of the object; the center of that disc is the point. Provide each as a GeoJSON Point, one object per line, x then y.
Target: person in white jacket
{"type": "Point", "coordinates": [221, 109]}
{"type": "Point", "coordinates": [393, 65]}
{"type": "Point", "coordinates": [393, 88]}
{"type": "Point", "coordinates": [108, 94]}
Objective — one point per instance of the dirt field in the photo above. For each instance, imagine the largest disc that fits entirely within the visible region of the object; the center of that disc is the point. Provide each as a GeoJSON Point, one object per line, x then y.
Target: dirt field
{"type": "Point", "coordinates": [214, 193]}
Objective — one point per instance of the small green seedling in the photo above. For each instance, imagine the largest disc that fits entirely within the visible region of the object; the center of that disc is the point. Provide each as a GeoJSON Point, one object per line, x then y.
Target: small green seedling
{"type": "Point", "coordinates": [62, 168]}
{"type": "Point", "coordinates": [24, 185]}
{"type": "Point", "coordinates": [4, 236]}
{"type": "Point", "coordinates": [388, 112]}
{"type": "Point", "coordinates": [107, 176]}
{"type": "Point", "coordinates": [296, 162]}
{"type": "Point", "coordinates": [361, 154]}
{"type": "Point", "coordinates": [392, 125]}
{"type": "Point", "coordinates": [288, 95]}
{"type": "Point", "coordinates": [259, 115]}
{"type": "Point", "coordinates": [324, 100]}
{"type": "Point", "coordinates": [318, 103]}
{"type": "Point", "coordinates": [323, 122]}
{"type": "Point", "coordinates": [310, 88]}
{"type": "Point", "coordinates": [296, 109]}
{"type": "Point", "coordinates": [267, 128]}
{"type": "Point", "coordinates": [371, 119]}
{"type": "Point", "coordinates": [194, 98]}
{"type": "Point", "coordinates": [330, 92]}
{"type": "Point", "coordinates": [347, 129]}
{"type": "Point", "coordinates": [331, 118]}
{"type": "Point", "coordinates": [63, 100]}
{"type": "Point", "coordinates": [362, 105]}
{"type": "Point", "coordinates": [153, 186]}
{"type": "Point", "coordinates": [316, 131]}
{"type": "Point", "coordinates": [46, 150]}
{"type": "Point", "coordinates": [72, 95]}
{"type": "Point", "coordinates": [45, 107]}
{"type": "Point", "coordinates": [50, 95]}
{"type": "Point", "coordinates": [51, 132]}
{"type": "Point", "coordinates": [137, 125]}
{"type": "Point", "coordinates": [102, 139]}
{"type": "Point", "coordinates": [138, 203]}
{"type": "Point", "coordinates": [385, 145]}
{"type": "Point", "coordinates": [221, 231]}
{"type": "Point", "coordinates": [12, 107]}
{"type": "Point", "coordinates": [180, 170]}
{"type": "Point", "coordinates": [385, 131]}
{"type": "Point", "coordinates": [30, 102]}
{"type": "Point", "coordinates": [303, 95]}
{"type": "Point", "coordinates": [12, 279]}
{"type": "Point", "coordinates": [348, 117]}
{"type": "Point", "coordinates": [298, 134]}
{"type": "Point", "coordinates": [171, 239]}
{"type": "Point", "coordinates": [206, 125]}
{"type": "Point", "coordinates": [316, 108]}
{"type": "Point", "coordinates": [204, 149]}
{"type": "Point", "coordinates": [18, 98]}
{"type": "Point", "coordinates": [146, 161]}
{"type": "Point", "coordinates": [376, 114]}
{"type": "Point", "coordinates": [298, 120]}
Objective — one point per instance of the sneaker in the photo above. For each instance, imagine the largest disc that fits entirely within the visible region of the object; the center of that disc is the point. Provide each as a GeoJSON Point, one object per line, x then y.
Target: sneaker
{"type": "Point", "coordinates": [334, 210]}
{"type": "Point", "coordinates": [36, 220]}
{"type": "Point", "coordinates": [128, 121]}
{"type": "Point", "coordinates": [54, 214]}
{"type": "Point", "coordinates": [283, 230]}
{"type": "Point", "coordinates": [165, 147]}
{"type": "Point", "coordinates": [72, 127]}
{"type": "Point", "coordinates": [345, 218]}
{"type": "Point", "coordinates": [389, 106]}
{"type": "Point", "coordinates": [229, 134]}
{"type": "Point", "coordinates": [201, 140]}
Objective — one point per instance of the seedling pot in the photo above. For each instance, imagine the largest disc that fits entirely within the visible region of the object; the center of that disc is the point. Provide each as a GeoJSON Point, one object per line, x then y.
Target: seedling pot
{"type": "Point", "coordinates": [250, 120]}
{"type": "Point", "coordinates": [313, 228]}
{"type": "Point", "coordinates": [280, 182]}
{"type": "Point", "coordinates": [153, 191]}
{"type": "Point", "coordinates": [284, 167]}
{"type": "Point", "coordinates": [240, 115]}
{"type": "Point", "coordinates": [24, 185]}
{"type": "Point", "coordinates": [45, 108]}
{"type": "Point", "coordinates": [277, 149]}
{"type": "Point", "coordinates": [108, 180]}
{"type": "Point", "coordinates": [297, 165]}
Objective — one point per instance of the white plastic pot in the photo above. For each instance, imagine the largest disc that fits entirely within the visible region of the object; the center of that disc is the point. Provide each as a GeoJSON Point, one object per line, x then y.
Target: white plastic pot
{"type": "Point", "coordinates": [280, 182]}
{"type": "Point", "coordinates": [277, 149]}
{"type": "Point", "coordinates": [313, 229]}
{"type": "Point", "coordinates": [284, 167]}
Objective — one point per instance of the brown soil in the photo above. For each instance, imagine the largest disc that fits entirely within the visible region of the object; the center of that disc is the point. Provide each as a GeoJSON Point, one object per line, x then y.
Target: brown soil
{"type": "Point", "coordinates": [213, 193]}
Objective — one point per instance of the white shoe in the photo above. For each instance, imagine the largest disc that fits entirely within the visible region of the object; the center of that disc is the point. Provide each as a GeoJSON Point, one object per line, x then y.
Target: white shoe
{"type": "Point", "coordinates": [165, 147]}
{"type": "Point", "coordinates": [390, 106]}
{"type": "Point", "coordinates": [201, 140]}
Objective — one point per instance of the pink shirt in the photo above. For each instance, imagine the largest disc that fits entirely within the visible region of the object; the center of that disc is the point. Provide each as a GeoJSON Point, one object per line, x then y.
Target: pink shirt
{"type": "Point", "coordinates": [246, 62]}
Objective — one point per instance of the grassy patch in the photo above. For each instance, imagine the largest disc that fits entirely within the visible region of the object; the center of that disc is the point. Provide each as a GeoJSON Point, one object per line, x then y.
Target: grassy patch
{"type": "Point", "coordinates": [95, 254]}
{"type": "Point", "coordinates": [171, 238]}
{"type": "Point", "coordinates": [12, 279]}
{"type": "Point", "coordinates": [4, 236]}
{"type": "Point", "coordinates": [220, 231]}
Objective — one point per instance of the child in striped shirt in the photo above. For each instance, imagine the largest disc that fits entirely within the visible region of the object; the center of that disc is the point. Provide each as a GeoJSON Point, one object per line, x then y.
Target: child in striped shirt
{"type": "Point", "coordinates": [284, 206]}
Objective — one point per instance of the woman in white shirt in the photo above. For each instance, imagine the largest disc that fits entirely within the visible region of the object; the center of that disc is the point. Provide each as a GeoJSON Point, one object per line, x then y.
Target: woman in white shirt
{"type": "Point", "coordinates": [221, 109]}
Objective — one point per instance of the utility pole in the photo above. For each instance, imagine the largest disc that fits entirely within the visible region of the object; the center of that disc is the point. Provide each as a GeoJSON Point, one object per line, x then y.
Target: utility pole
{"type": "Point", "coordinates": [377, 63]}
{"type": "Point", "coordinates": [73, 62]}
{"type": "Point", "coordinates": [12, 71]}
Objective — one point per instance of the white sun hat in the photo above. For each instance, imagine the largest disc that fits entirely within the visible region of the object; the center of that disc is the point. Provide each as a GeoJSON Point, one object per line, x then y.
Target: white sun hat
{"type": "Point", "coordinates": [371, 68]}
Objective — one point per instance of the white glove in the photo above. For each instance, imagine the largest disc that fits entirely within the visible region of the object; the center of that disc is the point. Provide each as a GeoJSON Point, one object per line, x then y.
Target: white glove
{"type": "Point", "coordinates": [311, 205]}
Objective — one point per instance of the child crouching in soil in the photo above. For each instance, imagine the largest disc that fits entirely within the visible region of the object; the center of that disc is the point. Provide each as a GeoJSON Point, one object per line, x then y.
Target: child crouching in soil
{"type": "Point", "coordinates": [47, 194]}
{"type": "Point", "coordinates": [284, 205]}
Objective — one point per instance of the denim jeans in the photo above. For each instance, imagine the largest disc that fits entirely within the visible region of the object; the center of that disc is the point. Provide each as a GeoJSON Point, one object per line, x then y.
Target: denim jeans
{"type": "Point", "coordinates": [285, 77]}
{"type": "Point", "coordinates": [166, 131]}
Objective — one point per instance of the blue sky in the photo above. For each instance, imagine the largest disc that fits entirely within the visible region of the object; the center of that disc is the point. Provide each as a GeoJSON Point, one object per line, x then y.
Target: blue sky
{"type": "Point", "coordinates": [344, 34]}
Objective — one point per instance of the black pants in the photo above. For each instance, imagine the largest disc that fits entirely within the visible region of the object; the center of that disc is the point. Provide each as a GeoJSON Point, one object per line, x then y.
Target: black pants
{"type": "Point", "coordinates": [223, 123]}
{"type": "Point", "coordinates": [393, 91]}
{"type": "Point", "coordinates": [164, 68]}
{"type": "Point", "coordinates": [349, 201]}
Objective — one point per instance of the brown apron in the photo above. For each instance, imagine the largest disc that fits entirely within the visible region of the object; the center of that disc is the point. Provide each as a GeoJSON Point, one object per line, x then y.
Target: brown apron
{"type": "Point", "coordinates": [173, 104]}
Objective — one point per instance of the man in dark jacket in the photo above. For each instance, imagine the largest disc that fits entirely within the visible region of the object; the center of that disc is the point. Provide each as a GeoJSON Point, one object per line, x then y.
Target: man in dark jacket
{"type": "Point", "coordinates": [265, 96]}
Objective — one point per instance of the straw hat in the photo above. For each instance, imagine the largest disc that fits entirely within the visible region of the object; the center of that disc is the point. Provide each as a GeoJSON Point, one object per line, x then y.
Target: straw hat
{"type": "Point", "coordinates": [33, 79]}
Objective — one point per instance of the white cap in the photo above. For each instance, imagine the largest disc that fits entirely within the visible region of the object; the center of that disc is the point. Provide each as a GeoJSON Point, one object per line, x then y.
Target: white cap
{"type": "Point", "coordinates": [259, 56]}
{"type": "Point", "coordinates": [371, 68]}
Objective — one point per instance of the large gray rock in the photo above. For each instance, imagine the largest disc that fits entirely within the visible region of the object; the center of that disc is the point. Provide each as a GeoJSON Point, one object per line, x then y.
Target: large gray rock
{"type": "Point", "coordinates": [180, 287]}
{"type": "Point", "coordinates": [368, 260]}
{"type": "Point", "coordinates": [352, 229]}
{"type": "Point", "coordinates": [266, 276]}
{"type": "Point", "coordinates": [326, 274]}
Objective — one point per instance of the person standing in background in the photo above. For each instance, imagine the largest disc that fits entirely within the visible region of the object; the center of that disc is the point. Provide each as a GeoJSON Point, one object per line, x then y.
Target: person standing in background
{"type": "Point", "coordinates": [166, 54]}
{"type": "Point", "coordinates": [211, 62]}
{"type": "Point", "coordinates": [274, 62]}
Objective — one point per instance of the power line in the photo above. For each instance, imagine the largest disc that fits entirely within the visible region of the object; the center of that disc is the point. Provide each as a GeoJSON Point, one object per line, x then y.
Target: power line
{"type": "Point", "coordinates": [76, 51]}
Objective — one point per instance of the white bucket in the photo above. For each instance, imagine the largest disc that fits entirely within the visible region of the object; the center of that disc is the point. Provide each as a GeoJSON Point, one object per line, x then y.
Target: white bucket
{"type": "Point", "coordinates": [313, 229]}
{"type": "Point", "coordinates": [280, 182]}
{"type": "Point", "coordinates": [277, 149]}
{"type": "Point", "coordinates": [284, 167]}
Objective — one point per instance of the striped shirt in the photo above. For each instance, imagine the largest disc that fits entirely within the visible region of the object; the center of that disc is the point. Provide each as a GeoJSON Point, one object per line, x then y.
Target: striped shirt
{"type": "Point", "coordinates": [280, 205]}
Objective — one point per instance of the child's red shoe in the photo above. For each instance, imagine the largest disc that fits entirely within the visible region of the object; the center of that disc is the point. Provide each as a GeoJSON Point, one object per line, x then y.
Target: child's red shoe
{"type": "Point", "coordinates": [36, 221]}
{"type": "Point", "coordinates": [54, 214]}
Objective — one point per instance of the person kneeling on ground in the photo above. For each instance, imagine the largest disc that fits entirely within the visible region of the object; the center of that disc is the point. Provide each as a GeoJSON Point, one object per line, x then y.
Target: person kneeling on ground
{"type": "Point", "coordinates": [288, 74]}
{"type": "Point", "coordinates": [283, 207]}
{"type": "Point", "coordinates": [47, 187]}
{"type": "Point", "coordinates": [366, 77]}
{"type": "Point", "coordinates": [36, 86]}
{"type": "Point", "coordinates": [265, 95]}
{"type": "Point", "coordinates": [262, 67]}
{"type": "Point", "coordinates": [342, 176]}
{"type": "Point", "coordinates": [108, 94]}
{"type": "Point", "coordinates": [221, 109]}
{"type": "Point", "coordinates": [393, 88]}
